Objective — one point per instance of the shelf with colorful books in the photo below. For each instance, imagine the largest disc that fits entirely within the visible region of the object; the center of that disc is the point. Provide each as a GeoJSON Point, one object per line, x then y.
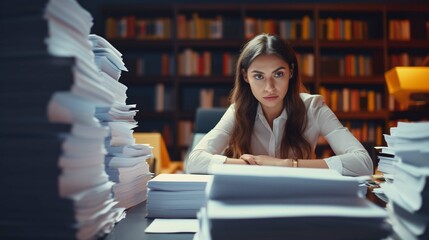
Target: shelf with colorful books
{"type": "Point", "coordinates": [355, 101]}
{"type": "Point", "coordinates": [199, 62]}
{"type": "Point", "coordinates": [138, 22]}
{"type": "Point", "coordinates": [208, 22]}
{"type": "Point", "coordinates": [407, 23]}
{"type": "Point", "coordinates": [407, 57]}
{"type": "Point", "coordinates": [351, 63]}
{"type": "Point", "coordinates": [407, 45]}
{"type": "Point", "coordinates": [208, 96]}
{"type": "Point", "coordinates": [408, 37]}
{"type": "Point", "coordinates": [151, 63]}
{"type": "Point", "coordinates": [296, 26]}
{"type": "Point", "coordinates": [351, 23]}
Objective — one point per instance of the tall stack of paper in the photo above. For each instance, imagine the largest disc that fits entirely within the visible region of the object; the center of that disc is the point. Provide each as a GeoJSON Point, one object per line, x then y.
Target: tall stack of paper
{"type": "Point", "coordinates": [258, 202]}
{"type": "Point", "coordinates": [409, 193]}
{"type": "Point", "coordinates": [54, 184]}
{"type": "Point", "coordinates": [126, 161]}
{"type": "Point", "coordinates": [176, 195]}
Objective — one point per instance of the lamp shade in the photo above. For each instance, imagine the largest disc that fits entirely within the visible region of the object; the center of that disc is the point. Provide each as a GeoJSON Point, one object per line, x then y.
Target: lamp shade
{"type": "Point", "coordinates": [408, 85]}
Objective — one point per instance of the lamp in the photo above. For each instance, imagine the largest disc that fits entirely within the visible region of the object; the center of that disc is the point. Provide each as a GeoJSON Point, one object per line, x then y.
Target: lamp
{"type": "Point", "coordinates": [408, 85]}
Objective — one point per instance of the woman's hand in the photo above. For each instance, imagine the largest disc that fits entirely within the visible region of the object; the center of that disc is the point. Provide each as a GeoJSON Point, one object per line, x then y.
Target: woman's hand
{"type": "Point", "coordinates": [263, 160]}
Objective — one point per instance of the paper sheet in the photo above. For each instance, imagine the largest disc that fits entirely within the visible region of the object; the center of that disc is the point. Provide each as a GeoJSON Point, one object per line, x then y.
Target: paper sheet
{"type": "Point", "coordinates": [173, 226]}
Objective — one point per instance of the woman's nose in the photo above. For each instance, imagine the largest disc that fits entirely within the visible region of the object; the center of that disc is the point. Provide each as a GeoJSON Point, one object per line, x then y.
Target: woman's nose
{"type": "Point", "coordinates": [269, 86]}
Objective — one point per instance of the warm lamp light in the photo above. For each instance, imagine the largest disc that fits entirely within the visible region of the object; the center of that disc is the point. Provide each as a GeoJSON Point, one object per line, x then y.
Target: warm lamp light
{"type": "Point", "coordinates": [409, 85]}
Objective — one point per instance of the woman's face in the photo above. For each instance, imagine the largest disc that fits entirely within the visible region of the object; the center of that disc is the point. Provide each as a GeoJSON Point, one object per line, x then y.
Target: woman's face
{"type": "Point", "coordinates": [268, 76]}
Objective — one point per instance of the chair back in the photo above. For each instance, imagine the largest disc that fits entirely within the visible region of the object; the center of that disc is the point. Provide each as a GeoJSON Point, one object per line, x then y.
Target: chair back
{"type": "Point", "coordinates": [207, 118]}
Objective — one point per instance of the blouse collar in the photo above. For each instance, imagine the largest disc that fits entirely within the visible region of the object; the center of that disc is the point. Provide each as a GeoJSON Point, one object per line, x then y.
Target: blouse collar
{"type": "Point", "coordinates": [260, 113]}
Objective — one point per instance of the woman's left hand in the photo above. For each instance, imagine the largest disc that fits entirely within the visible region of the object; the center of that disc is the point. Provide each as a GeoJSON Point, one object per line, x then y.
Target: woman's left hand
{"type": "Point", "coordinates": [263, 160]}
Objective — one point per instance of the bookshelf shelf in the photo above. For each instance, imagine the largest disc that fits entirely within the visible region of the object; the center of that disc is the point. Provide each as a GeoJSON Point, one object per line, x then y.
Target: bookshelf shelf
{"type": "Point", "coordinates": [379, 115]}
{"type": "Point", "coordinates": [361, 44]}
{"type": "Point", "coordinates": [341, 80]}
{"type": "Point", "coordinates": [141, 44]}
{"type": "Point", "coordinates": [134, 80]}
{"type": "Point", "coordinates": [302, 43]}
{"type": "Point", "coordinates": [208, 80]}
{"type": "Point", "coordinates": [413, 44]}
{"type": "Point", "coordinates": [213, 43]}
{"type": "Point", "coordinates": [416, 113]}
{"type": "Point", "coordinates": [335, 34]}
{"type": "Point", "coordinates": [155, 115]}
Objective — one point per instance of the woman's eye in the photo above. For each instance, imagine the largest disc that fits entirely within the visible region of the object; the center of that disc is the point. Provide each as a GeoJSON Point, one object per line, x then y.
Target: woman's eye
{"type": "Point", "coordinates": [279, 74]}
{"type": "Point", "coordinates": [258, 76]}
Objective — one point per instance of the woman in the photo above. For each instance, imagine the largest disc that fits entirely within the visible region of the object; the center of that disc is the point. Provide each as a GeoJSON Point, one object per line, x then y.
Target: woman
{"type": "Point", "coordinates": [271, 123]}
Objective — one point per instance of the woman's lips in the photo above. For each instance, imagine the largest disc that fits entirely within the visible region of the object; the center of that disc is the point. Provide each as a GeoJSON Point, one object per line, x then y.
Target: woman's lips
{"type": "Point", "coordinates": [271, 98]}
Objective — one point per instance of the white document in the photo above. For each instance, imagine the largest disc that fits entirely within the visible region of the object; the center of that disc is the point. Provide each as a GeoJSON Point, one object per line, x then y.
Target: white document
{"type": "Point", "coordinates": [179, 182]}
{"type": "Point", "coordinates": [100, 42]}
{"type": "Point", "coordinates": [262, 182]}
{"type": "Point", "coordinates": [412, 130]}
{"type": "Point", "coordinates": [69, 108]}
{"type": "Point", "coordinates": [124, 161]}
{"type": "Point", "coordinates": [105, 65]}
{"type": "Point", "coordinates": [416, 157]}
{"type": "Point", "coordinates": [72, 13]}
{"type": "Point", "coordinates": [117, 88]}
{"type": "Point", "coordinates": [305, 207]}
{"type": "Point", "coordinates": [173, 226]}
{"type": "Point", "coordinates": [134, 150]}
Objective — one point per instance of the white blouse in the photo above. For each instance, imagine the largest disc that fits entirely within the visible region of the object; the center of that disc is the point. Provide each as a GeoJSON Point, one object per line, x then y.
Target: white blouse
{"type": "Point", "coordinates": [351, 157]}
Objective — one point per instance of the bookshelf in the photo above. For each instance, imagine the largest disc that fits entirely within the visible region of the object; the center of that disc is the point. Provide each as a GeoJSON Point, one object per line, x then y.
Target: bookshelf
{"type": "Point", "coordinates": [186, 52]}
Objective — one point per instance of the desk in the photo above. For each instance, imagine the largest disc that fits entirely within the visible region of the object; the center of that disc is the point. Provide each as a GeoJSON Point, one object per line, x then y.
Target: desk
{"type": "Point", "coordinates": [133, 226]}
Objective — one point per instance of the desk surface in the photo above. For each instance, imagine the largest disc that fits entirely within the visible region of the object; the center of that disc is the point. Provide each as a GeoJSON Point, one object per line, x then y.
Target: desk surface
{"type": "Point", "coordinates": [133, 226]}
{"type": "Point", "coordinates": [135, 223]}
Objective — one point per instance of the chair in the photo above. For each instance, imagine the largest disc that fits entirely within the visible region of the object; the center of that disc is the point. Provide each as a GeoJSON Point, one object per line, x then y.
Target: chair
{"type": "Point", "coordinates": [161, 161]}
{"type": "Point", "coordinates": [205, 120]}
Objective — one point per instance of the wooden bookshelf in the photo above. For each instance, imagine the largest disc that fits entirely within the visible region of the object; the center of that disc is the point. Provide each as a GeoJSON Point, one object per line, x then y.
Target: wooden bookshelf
{"type": "Point", "coordinates": [355, 37]}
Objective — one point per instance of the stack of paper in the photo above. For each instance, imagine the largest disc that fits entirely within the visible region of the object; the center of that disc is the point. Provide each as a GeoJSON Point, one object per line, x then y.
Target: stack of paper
{"type": "Point", "coordinates": [408, 194]}
{"type": "Point", "coordinates": [386, 157]}
{"type": "Point", "coordinates": [386, 162]}
{"type": "Point", "coordinates": [126, 161]}
{"type": "Point", "coordinates": [257, 202]}
{"type": "Point", "coordinates": [176, 195]}
{"type": "Point", "coordinates": [52, 150]}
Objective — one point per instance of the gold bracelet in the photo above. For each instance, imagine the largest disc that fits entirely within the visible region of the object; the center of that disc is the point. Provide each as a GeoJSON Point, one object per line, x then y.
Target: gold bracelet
{"type": "Point", "coordinates": [295, 163]}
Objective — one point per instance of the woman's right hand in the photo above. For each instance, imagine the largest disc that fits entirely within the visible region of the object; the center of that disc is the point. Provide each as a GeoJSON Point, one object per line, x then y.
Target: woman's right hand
{"type": "Point", "coordinates": [249, 159]}
{"type": "Point", "coordinates": [240, 161]}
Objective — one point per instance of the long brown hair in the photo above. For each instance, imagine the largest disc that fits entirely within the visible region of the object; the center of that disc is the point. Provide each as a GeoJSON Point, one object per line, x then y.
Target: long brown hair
{"type": "Point", "coordinates": [293, 144]}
